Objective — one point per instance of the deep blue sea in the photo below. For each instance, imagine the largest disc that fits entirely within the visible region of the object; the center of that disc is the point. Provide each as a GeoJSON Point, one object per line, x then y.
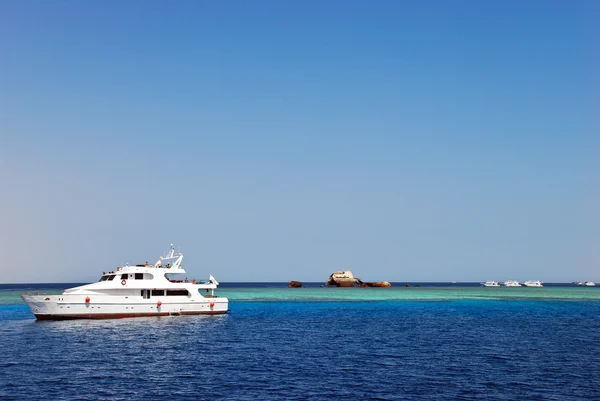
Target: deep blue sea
{"type": "Point", "coordinates": [286, 345]}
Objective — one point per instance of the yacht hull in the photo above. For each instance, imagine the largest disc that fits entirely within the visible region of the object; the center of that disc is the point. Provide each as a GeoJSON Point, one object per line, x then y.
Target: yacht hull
{"type": "Point", "coordinates": [61, 307]}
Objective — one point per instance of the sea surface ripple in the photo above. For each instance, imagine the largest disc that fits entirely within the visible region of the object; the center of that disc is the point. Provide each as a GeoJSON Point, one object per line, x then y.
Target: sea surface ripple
{"type": "Point", "coordinates": [470, 349]}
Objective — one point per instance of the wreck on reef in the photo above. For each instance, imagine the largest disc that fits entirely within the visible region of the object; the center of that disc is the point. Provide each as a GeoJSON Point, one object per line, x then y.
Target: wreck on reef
{"type": "Point", "coordinates": [347, 279]}
{"type": "Point", "coordinates": [342, 279]}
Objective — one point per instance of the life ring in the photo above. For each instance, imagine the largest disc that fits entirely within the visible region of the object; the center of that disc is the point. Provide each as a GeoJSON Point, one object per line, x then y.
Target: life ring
{"type": "Point", "coordinates": [123, 282]}
{"type": "Point", "coordinates": [212, 304]}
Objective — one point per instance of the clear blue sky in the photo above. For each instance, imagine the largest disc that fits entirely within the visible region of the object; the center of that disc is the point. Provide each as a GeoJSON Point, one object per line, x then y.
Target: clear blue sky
{"type": "Point", "coordinates": [424, 140]}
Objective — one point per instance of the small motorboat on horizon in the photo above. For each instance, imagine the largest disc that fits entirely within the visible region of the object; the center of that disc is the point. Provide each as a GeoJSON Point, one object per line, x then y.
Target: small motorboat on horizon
{"type": "Point", "coordinates": [533, 284]}
{"type": "Point", "coordinates": [491, 284]}
{"type": "Point", "coordinates": [512, 283]}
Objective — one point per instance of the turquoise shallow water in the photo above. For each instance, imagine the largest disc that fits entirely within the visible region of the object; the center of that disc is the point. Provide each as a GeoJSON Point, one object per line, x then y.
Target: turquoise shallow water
{"type": "Point", "coordinates": [409, 294]}
{"type": "Point", "coordinates": [265, 292]}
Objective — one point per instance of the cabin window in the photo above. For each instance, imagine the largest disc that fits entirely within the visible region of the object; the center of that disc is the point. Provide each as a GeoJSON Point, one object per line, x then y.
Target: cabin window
{"type": "Point", "coordinates": [139, 276]}
{"type": "Point", "coordinates": [103, 278]}
{"type": "Point", "coordinates": [111, 277]}
{"type": "Point", "coordinates": [158, 293]}
{"type": "Point", "coordinates": [174, 293]}
{"type": "Point", "coordinates": [124, 276]}
{"type": "Point", "coordinates": [145, 294]}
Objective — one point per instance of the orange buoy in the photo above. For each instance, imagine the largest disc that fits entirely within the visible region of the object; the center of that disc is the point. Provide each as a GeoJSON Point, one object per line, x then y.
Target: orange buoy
{"type": "Point", "coordinates": [212, 304]}
{"type": "Point", "coordinates": [158, 304]}
{"type": "Point", "coordinates": [87, 300]}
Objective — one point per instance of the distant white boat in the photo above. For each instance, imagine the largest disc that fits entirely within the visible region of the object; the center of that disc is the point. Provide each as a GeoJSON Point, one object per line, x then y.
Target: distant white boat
{"type": "Point", "coordinates": [533, 284]}
{"type": "Point", "coordinates": [511, 283]}
{"type": "Point", "coordinates": [589, 284]}
{"type": "Point", "coordinates": [491, 284]}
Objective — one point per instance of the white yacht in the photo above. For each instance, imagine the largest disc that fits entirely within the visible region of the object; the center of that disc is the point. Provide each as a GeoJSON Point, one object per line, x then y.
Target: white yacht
{"type": "Point", "coordinates": [491, 284]}
{"type": "Point", "coordinates": [589, 284]}
{"type": "Point", "coordinates": [511, 283]}
{"type": "Point", "coordinates": [533, 284]}
{"type": "Point", "coordinates": [133, 291]}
